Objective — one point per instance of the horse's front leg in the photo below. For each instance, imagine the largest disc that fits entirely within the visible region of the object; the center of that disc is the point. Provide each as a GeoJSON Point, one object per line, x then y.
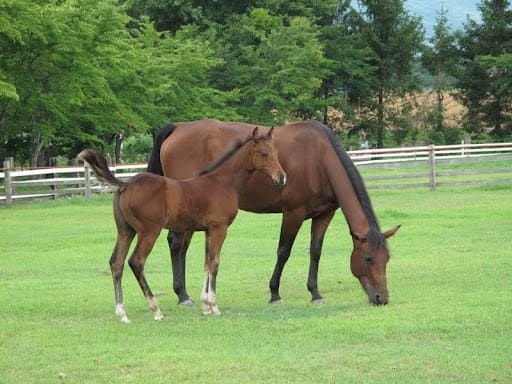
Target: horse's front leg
{"type": "Point", "coordinates": [178, 246]}
{"type": "Point", "coordinates": [214, 239]}
{"type": "Point", "coordinates": [319, 225]}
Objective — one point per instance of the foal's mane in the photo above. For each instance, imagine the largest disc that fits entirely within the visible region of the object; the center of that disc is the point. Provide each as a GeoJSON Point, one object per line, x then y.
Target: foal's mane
{"type": "Point", "coordinates": [375, 237]}
{"type": "Point", "coordinates": [226, 156]}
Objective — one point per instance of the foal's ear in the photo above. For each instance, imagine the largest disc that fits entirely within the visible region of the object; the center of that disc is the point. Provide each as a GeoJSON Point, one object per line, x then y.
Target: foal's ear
{"type": "Point", "coordinates": [270, 132]}
{"type": "Point", "coordinates": [255, 135]}
{"type": "Point", "coordinates": [391, 232]}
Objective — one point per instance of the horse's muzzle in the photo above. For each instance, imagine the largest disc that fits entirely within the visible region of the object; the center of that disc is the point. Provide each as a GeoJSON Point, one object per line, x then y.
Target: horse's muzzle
{"type": "Point", "coordinates": [378, 299]}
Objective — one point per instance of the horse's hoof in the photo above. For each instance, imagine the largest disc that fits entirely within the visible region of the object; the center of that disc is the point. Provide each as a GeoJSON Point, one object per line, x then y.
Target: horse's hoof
{"type": "Point", "coordinates": [318, 301]}
{"type": "Point", "coordinates": [278, 301]}
{"type": "Point", "coordinates": [158, 316]}
{"type": "Point", "coordinates": [125, 320]}
{"type": "Point", "coordinates": [188, 303]}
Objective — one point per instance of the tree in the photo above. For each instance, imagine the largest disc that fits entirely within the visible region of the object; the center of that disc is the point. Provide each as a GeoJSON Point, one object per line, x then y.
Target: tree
{"type": "Point", "coordinates": [351, 72]}
{"type": "Point", "coordinates": [440, 58]}
{"type": "Point", "coordinates": [81, 76]}
{"type": "Point", "coordinates": [480, 82]}
{"type": "Point", "coordinates": [278, 67]}
{"type": "Point", "coordinates": [395, 37]}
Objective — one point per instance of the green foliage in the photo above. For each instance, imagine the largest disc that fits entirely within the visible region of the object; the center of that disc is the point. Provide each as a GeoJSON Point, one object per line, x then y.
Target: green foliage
{"type": "Point", "coordinates": [277, 66]}
{"type": "Point", "coordinates": [136, 148]}
{"type": "Point", "coordinates": [74, 73]}
{"type": "Point", "coordinates": [484, 87]}
{"type": "Point", "coordinates": [83, 76]}
{"type": "Point", "coordinates": [394, 36]}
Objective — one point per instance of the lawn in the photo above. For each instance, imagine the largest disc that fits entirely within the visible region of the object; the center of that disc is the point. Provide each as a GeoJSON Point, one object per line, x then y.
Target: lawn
{"type": "Point", "coordinates": [449, 319]}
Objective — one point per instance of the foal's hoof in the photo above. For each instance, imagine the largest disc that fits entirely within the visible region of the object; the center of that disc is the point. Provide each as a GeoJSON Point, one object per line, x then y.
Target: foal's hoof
{"type": "Point", "coordinates": [318, 301]}
{"type": "Point", "coordinates": [277, 301]}
{"type": "Point", "coordinates": [210, 310]}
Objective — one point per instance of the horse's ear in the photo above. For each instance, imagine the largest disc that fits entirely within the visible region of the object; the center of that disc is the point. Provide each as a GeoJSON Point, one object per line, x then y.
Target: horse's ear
{"type": "Point", "coordinates": [270, 132]}
{"type": "Point", "coordinates": [391, 232]}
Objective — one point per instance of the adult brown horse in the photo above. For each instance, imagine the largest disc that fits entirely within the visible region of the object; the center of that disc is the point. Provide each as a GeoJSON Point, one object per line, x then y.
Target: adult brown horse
{"type": "Point", "coordinates": [209, 202]}
{"type": "Point", "coordinates": [321, 178]}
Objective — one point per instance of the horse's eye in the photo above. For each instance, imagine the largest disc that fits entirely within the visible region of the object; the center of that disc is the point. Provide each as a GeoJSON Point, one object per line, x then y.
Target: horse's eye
{"type": "Point", "coordinates": [264, 154]}
{"type": "Point", "coordinates": [368, 259]}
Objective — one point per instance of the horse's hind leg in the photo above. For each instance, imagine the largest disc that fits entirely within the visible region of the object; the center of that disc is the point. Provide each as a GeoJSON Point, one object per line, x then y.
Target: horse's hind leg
{"type": "Point", "coordinates": [137, 260]}
{"type": "Point", "coordinates": [117, 259]}
{"type": "Point", "coordinates": [292, 221]}
{"type": "Point", "coordinates": [178, 245]}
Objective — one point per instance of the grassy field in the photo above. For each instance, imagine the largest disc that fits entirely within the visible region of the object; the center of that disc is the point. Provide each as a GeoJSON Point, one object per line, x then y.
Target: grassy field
{"type": "Point", "coordinates": [449, 319]}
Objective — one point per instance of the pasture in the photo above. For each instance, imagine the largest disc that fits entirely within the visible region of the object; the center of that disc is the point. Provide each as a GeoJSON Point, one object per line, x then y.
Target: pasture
{"type": "Point", "coordinates": [449, 319]}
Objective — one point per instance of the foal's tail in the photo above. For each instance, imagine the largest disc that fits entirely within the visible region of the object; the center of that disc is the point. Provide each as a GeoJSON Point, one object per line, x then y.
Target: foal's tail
{"type": "Point", "coordinates": [100, 167]}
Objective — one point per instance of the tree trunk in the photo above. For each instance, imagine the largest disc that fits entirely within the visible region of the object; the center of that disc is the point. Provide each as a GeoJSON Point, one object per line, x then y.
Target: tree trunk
{"type": "Point", "coordinates": [380, 120]}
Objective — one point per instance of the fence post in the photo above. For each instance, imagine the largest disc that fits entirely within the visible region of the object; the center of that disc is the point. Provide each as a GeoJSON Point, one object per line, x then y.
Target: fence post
{"type": "Point", "coordinates": [432, 166]}
{"type": "Point", "coordinates": [87, 176]}
{"type": "Point", "coordinates": [7, 183]}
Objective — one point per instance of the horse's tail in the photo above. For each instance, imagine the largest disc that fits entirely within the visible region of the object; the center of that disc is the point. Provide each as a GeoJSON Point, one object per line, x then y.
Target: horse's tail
{"type": "Point", "coordinates": [100, 167]}
{"type": "Point", "coordinates": [154, 164]}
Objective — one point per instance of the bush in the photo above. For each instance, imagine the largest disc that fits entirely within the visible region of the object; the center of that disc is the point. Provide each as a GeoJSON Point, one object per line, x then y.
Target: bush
{"type": "Point", "coordinates": [136, 148]}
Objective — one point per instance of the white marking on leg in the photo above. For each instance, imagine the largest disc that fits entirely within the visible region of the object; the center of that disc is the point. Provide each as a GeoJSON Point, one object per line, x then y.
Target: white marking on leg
{"type": "Point", "coordinates": [205, 305]}
{"type": "Point", "coordinates": [153, 306]}
{"type": "Point", "coordinates": [212, 300]}
{"type": "Point", "coordinates": [121, 313]}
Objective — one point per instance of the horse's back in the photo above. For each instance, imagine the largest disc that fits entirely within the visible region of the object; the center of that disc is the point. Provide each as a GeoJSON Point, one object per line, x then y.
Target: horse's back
{"type": "Point", "coordinates": [193, 145]}
{"type": "Point", "coordinates": [301, 146]}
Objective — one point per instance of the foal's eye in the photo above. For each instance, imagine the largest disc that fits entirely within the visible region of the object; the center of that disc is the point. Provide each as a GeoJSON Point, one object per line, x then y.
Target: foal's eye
{"type": "Point", "coordinates": [264, 154]}
{"type": "Point", "coordinates": [368, 259]}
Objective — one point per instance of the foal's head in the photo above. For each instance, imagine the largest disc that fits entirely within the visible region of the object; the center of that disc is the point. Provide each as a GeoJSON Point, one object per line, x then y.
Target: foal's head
{"type": "Point", "coordinates": [263, 157]}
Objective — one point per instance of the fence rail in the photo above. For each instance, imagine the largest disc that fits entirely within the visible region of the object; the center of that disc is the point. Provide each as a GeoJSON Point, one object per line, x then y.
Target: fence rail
{"type": "Point", "coordinates": [413, 167]}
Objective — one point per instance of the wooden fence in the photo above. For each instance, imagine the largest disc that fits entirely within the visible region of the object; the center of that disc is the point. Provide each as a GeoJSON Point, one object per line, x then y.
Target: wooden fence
{"type": "Point", "coordinates": [412, 167]}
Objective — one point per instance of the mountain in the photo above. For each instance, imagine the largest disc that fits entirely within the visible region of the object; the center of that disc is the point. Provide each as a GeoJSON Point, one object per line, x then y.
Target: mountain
{"type": "Point", "coordinates": [457, 12]}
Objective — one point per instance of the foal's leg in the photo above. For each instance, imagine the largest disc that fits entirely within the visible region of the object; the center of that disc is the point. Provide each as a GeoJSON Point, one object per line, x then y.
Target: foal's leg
{"type": "Point", "coordinates": [290, 226]}
{"type": "Point", "coordinates": [178, 245]}
{"type": "Point", "coordinates": [319, 225]}
{"type": "Point", "coordinates": [137, 260]}
{"type": "Point", "coordinates": [124, 239]}
{"type": "Point", "coordinates": [214, 239]}
{"type": "Point", "coordinates": [125, 235]}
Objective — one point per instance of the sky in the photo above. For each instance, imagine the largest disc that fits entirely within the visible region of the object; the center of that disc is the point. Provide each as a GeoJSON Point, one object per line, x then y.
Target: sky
{"type": "Point", "coordinates": [458, 11]}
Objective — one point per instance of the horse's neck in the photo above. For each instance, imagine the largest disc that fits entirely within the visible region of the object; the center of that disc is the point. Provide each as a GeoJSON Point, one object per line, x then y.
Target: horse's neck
{"type": "Point", "coordinates": [346, 195]}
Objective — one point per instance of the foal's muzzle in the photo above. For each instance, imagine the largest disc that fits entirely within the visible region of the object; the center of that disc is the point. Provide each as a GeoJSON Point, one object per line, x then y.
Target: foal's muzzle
{"type": "Point", "coordinates": [280, 180]}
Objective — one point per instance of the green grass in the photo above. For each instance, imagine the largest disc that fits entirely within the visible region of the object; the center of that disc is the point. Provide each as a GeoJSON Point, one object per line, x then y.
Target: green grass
{"type": "Point", "coordinates": [449, 319]}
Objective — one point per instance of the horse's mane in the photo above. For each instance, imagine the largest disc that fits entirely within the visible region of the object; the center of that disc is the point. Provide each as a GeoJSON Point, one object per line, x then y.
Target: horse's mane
{"type": "Point", "coordinates": [225, 157]}
{"type": "Point", "coordinates": [375, 237]}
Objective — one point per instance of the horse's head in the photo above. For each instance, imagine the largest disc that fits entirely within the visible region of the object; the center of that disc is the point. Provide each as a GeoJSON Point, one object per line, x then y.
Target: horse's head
{"type": "Point", "coordinates": [264, 157]}
{"type": "Point", "coordinates": [368, 263]}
